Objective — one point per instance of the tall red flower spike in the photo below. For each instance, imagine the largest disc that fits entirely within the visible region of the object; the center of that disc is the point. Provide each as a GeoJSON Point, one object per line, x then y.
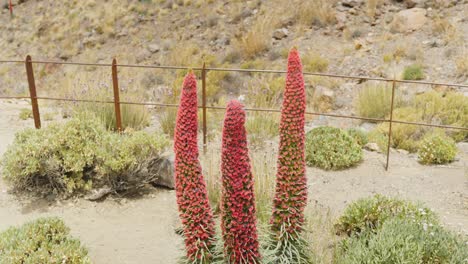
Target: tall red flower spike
{"type": "Point", "coordinates": [291, 183]}
{"type": "Point", "coordinates": [192, 197]}
{"type": "Point", "coordinates": [238, 202]}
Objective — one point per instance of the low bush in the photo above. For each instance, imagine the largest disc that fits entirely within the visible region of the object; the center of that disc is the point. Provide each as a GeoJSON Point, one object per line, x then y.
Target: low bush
{"type": "Point", "coordinates": [374, 101]}
{"type": "Point", "coordinates": [25, 114]}
{"type": "Point", "coordinates": [359, 135]}
{"type": "Point", "coordinates": [46, 240]}
{"type": "Point", "coordinates": [368, 214]}
{"type": "Point", "coordinates": [404, 241]}
{"type": "Point", "coordinates": [79, 155]}
{"type": "Point", "coordinates": [331, 149]}
{"type": "Point", "coordinates": [413, 72]}
{"type": "Point", "coordinates": [446, 108]}
{"type": "Point", "coordinates": [437, 148]}
{"type": "Point", "coordinates": [449, 108]}
{"type": "Point", "coordinates": [405, 136]}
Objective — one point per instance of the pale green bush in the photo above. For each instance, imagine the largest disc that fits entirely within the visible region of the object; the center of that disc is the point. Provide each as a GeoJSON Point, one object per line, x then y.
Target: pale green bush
{"type": "Point", "coordinates": [25, 114]}
{"type": "Point", "coordinates": [401, 240]}
{"type": "Point", "coordinates": [437, 148]}
{"type": "Point", "coordinates": [45, 241]}
{"type": "Point", "coordinates": [449, 108]}
{"type": "Point", "coordinates": [405, 136]}
{"type": "Point", "coordinates": [370, 213]}
{"type": "Point", "coordinates": [77, 156]}
{"type": "Point", "coordinates": [331, 149]}
{"type": "Point", "coordinates": [359, 136]}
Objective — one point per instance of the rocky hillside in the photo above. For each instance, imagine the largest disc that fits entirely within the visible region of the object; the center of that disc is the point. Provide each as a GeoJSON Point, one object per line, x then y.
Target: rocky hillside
{"type": "Point", "coordinates": [358, 37]}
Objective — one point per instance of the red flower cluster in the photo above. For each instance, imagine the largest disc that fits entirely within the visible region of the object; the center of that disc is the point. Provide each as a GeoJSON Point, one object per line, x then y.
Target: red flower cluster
{"type": "Point", "coordinates": [238, 202]}
{"type": "Point", "coordinates": [192, 197]}
{"type": "Point", "coordinates": [291, 183]}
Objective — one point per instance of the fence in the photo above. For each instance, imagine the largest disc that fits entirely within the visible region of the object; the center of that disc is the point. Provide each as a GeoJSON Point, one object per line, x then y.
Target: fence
{"type": "Point", "coordinates": [37, 119]}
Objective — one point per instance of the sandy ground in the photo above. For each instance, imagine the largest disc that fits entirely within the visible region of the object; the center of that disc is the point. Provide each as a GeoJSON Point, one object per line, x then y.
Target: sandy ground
{"type": "Point", "coordinates": [142, 230]}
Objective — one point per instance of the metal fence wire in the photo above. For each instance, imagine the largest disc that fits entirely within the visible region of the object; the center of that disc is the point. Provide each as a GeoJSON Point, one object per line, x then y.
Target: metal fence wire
{"type": "Point", "coordinates": [28, 62]}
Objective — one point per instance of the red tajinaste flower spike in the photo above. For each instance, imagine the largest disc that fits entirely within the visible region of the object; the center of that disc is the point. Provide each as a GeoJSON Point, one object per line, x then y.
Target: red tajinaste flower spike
{"type": "Point", "coordinates": [291, 183]}
{"type": "Point", "coordinates": [192, 197]}
{"type": "Point", "coordinates": [237, 202]}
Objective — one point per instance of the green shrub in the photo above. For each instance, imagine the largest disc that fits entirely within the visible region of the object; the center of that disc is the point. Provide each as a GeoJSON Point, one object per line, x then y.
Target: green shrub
{"type": "Point", "coordinates": [25, 114]}
{"type": "Point", "coordinates": [359, 135]}
{"type": "Point", "coordinates": [374, 101]}
{"type": "Point", "coordinates": [437, 148]}
{"type": "Point", "coordinates": [331, 148]}
{"type": "Point", "coordinates": [405, 136]}
{"type": "Point", "coordinates": [46, 241]}
{"type": "Point", "coordinates": [449, 108]}
{"type": "Point", "coordinates": [404, 241]}
{"type": "Point", "coordinates": [369, 213]}
{"type": "Point", "coordinates": [413, 72]}
{"type": "Point", "coordinates": [77, 156]}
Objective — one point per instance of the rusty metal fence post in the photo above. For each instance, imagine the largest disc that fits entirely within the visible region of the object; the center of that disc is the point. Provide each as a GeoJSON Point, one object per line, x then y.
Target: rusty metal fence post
{"type": "Point", "coordinates": [115, 84]}
{"type": "Point", "coordinates": [10, 7]}
{"type": "Point", "coordinates": [32, 92]}
{"type": "Point", "coordinates": [203, 73]}
{"type": "Point", "coordinates": [390, 124]}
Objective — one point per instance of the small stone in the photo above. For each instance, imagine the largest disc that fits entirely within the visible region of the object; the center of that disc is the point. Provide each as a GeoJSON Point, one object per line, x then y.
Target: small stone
{"type": "Point", "coordinates": [280, 33]}
{"type": "Point", "coordinates": [154, 48]}
{"type": "Point", "coordinates": [403, 151]}
{"type": "Point", "coordinates": [372, 147]}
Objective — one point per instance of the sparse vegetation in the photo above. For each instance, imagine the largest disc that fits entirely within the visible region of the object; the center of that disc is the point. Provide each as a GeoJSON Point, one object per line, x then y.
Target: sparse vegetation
{"type": "Point", "coordinates": [25, 114]}
{"type": "Point", "coordinates": [437, 148]}
{"type": "Point", "coordinates": [374, 101]}
{"type": "Point", "coordinates": [257, 40]}
{"type": "Point", "coordinates": [313, 62]}
{"type": "Point", "coordinates": [320, 12]}
{"type": "Point", "coordinates": [462, 65]}
{"type": "Point", "coordinates": [331, 149]}
{"type": "Point", "coordinates": [133, 116]}
{"type": "Point", "coordinates": [413, 72]}
{"type": "Point", "coordinates": [80, 155]}
{"type": "Point", "coordinates": [45, 240]}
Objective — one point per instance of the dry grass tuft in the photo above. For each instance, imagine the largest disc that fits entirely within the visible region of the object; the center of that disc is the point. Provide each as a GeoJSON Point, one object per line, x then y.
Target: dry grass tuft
{"type": "Point", "coordinates": [371, 7]}
{"type": "Point", "coordinates": [462, 64]}
{"type": "Point", "coordinates": [317, 12]}
{"type": "Point", "coordinates": [256, 40]}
